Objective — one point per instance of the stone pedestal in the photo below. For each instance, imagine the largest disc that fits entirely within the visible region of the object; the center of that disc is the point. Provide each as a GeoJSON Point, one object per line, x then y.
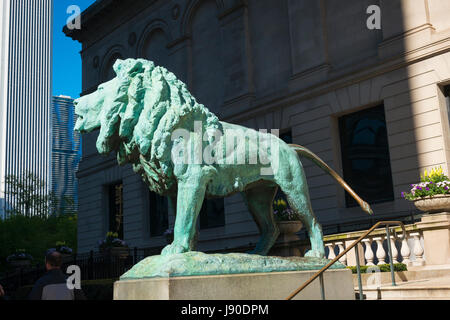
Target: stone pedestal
{"type": "Point", "coordinates": [251, 286]}
{"type": "Point", "coordinates": [436, 236]}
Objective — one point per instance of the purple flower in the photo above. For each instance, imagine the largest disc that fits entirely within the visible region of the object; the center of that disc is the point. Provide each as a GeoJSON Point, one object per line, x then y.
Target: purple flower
{"type": "Point", "coordinates": [403, 194]}
{"type": "Point", "coordinates": [428, 189]}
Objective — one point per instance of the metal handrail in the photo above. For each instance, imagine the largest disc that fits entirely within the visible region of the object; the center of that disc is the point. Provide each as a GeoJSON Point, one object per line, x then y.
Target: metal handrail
{"type": "Point", "coordinates": [321, 271]}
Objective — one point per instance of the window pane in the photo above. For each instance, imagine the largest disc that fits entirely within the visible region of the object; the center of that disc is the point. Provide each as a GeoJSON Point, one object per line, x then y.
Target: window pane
{"type": "Point", "coordinates": [447, 99]}
{"type": "Point", "coordinates": [286, 137]}
{"type": "Point", "coordinates": [365, 156]}
{"type": "Point", "coordinates": [159, 217]}
{"type": "Point", "coordinates": [116, 208]}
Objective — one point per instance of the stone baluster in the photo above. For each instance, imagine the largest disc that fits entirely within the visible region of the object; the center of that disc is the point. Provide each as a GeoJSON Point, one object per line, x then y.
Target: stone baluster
{"type": "Point", "coordinates": [343, 259]}
{"type": "Point", "coordinates": [394, 250]}
{"type": "Point", "coordinates": [405, 252]}
{"type": "Point", "coordinates": [331, 254]}
{"type": "Point", "coordinates": [418, 250]}
{"type": "Point", "coordinates": [368, 254]}
{"type": "Point", "coordinates": [381, 254]}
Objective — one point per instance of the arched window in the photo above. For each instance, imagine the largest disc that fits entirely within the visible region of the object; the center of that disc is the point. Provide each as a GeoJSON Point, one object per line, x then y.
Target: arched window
{"type": "Point", "coordinates": [365, 155]}
{"type": "Point", "coordinates": [155, 49]}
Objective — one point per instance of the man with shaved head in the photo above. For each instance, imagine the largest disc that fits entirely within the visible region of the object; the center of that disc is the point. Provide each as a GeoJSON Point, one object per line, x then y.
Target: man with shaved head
{"type": "Point", "coordinates": [53, 285]}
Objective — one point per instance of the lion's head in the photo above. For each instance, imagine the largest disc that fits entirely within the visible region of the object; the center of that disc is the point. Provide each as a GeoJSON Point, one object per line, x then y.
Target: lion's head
{"type": "Point", "coordinates": [137, 112]}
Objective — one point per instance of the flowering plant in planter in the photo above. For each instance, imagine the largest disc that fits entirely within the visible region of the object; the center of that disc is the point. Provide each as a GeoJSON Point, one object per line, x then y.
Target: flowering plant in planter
{"type": "Point", "coordinates": [112, 241]}
{"type": "Point", "coordinates": [62, 248]}
{"type": "Point", "coordinates": [169, 235]}
{"type": "Point", "coordinates": [431, 184]}
{"type": "Point", "coordinates": [19, 255]}
{"type": "Point", "coordinates": [283, 213]}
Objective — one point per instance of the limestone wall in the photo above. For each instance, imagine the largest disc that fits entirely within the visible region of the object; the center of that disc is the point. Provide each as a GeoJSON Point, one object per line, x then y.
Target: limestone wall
{"type": "Point", "coordinates": [292, 64]}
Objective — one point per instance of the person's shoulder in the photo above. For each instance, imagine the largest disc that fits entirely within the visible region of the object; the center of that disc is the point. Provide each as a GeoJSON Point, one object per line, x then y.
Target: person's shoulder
{"type": "Point", "coordinates": [43, 279]}
{"type": "Point", "coordinates": [51, 277]}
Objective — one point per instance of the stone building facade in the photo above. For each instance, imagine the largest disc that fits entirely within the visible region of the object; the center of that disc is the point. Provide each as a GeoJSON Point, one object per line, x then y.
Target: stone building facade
{"type": "Point", "coordinates": [372, 103]}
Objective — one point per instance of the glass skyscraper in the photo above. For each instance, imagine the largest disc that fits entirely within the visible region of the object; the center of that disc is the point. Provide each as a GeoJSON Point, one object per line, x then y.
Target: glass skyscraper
{"type": "Point", "coordinates": [25, 91]}
{"type": "Point", "coordinates": [66, 149]}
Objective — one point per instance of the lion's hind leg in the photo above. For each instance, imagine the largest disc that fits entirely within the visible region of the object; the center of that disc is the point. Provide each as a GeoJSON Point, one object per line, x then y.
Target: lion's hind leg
{"type": "Point", "coordinates": [259, 202]}
{"type": "Point", "coordinates": [298, 197]}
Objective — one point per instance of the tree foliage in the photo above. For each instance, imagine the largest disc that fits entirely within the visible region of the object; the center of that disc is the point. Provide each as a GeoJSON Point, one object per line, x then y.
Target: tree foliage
{"type": "Point", "coordinates": [28, 193]}
{"type": "Point", "coordinates": [36, 220]}
{"type": "Point", "coordinates": [36, 235]}
{"type": "Point", "coordinates": [30, 197]}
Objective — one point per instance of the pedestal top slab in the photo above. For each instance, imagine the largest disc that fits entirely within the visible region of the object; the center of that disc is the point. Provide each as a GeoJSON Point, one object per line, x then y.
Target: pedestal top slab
{"type": "Point", "coordinates": [201, 264]}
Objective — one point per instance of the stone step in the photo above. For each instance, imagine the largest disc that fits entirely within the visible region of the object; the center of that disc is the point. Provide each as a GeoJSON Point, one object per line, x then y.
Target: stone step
{"type": "Point", "coordinates": [427, 289]}
{"type": "Point", "coordinates": [416, 298]}
{"type": "Point", "coordinates": [413, 274]}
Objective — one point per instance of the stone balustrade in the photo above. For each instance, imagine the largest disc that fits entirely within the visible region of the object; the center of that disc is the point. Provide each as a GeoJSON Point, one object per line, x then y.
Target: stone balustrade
{"type": "Point", "coordinates": [427, 244]}
{"type": "Point", "coordinates": [373, 250]}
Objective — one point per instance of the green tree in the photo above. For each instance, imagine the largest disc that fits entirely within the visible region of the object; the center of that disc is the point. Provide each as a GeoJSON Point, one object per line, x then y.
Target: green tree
{"type": "Point", "coordinates": [35, 235]}
{"type": "Point", "coordinates": [29, 195]}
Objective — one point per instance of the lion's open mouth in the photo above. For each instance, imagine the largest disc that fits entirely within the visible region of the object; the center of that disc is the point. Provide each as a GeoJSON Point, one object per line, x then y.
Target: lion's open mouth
{"type": "Point", "coordinates": [79, 125]}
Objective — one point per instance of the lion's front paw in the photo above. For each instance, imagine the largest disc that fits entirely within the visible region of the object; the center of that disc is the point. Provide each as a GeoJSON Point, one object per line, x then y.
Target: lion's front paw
{"type": "Point", "coordinates": [173, 249]}
{"type": "Point", "coordinates": [315, 254]}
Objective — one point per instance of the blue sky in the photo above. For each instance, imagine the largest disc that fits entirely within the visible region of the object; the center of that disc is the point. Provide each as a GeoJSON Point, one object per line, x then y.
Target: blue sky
{"type": "Point", "coordinates": [66, 52]}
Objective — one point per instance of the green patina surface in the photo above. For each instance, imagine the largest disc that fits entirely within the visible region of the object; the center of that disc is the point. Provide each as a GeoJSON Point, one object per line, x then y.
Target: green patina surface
{"type": "Point", "coordinates": [201, 264]}
{"type": "Point", "coordinates": [140, 114]}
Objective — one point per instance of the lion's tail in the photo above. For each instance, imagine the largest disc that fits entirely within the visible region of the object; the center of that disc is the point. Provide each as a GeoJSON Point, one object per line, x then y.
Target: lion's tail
{"type": "Point", "coordinates": [302, 151]}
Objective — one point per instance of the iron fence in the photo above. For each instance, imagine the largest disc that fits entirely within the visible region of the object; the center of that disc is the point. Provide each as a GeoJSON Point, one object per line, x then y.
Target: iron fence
{"type": "Point", "coordinates": [93, 266]}
{"type": "Point", "coordinates": [104, 265]}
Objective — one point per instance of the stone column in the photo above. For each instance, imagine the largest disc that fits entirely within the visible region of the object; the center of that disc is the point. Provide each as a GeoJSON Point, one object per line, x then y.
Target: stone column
{"type": "Point", "coordinates": [308, 36]}
{"type": "Point", "coordinates": [405, 26]}
{"type": "Point", "coordinates": [436, 236]}
{"type": "Point", "coordinates": [237, 53]}
{"type": "Point", "coordinates": [179, 50]}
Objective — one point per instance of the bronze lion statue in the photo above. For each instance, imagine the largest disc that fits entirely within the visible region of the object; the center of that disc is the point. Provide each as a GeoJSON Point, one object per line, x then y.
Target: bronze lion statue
{"type": "Point", "coordinates": [182, 151]}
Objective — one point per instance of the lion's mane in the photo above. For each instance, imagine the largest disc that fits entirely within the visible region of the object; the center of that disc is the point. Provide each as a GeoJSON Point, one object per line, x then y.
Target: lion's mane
{"type": "Point", "coordinates": [147, 104]}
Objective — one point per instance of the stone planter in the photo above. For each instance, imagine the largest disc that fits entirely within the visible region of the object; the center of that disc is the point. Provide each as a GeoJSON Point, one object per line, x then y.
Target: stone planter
{"type": "Point", "coordinates": [118, 252]}
{"type": "Point", "coordinates": [438, 203]}
{"type": "Point", "coordinates": [288, 229]}
{"type": "Point", "coordinates": [284, 246]}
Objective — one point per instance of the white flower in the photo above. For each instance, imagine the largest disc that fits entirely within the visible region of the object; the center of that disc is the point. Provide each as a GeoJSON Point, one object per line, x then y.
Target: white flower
{"type": "Point", "coordinates": [445, 183]}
